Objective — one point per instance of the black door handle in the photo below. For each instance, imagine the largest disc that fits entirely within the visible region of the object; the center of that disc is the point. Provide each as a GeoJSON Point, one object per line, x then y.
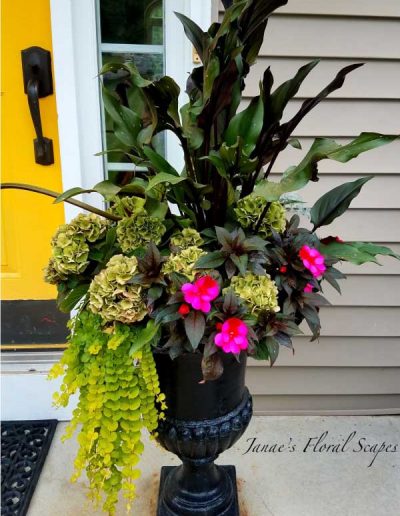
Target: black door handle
{"type": "Point", "coordinates": [38, 83]}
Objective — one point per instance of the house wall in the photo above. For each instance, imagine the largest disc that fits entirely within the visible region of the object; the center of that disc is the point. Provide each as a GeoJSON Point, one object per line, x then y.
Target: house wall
{"type": "Point", "coordinates": [354, 368]}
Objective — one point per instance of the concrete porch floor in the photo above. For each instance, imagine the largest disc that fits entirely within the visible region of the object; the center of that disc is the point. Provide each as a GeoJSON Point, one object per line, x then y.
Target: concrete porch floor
{"type": "Point", "coordinates": [304, 478]}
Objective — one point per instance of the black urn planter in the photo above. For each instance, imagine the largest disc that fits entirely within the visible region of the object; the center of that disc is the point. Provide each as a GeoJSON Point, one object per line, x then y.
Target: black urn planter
{"type": "Point", "coordinates": [202, 421]}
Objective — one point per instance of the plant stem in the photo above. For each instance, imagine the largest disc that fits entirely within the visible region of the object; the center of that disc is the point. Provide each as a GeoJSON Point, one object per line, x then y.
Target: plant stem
{"type": "Point", "coordinates": [50, 193]}
{"type": "Point", "coordinates": [261, 218]}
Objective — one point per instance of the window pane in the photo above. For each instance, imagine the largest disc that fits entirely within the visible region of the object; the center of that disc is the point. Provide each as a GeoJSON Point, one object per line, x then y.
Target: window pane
{"type": "Point", "coordinates": [132, 21]}
{"type": "Point", "coordinates": [150, 65]}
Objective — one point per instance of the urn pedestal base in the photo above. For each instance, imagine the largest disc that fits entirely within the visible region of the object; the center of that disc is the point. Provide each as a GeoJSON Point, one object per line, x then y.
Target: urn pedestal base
{"type": "Point", "coordinates": [200, 497]}
{"type": "Point", "coordinates": [202, 420]}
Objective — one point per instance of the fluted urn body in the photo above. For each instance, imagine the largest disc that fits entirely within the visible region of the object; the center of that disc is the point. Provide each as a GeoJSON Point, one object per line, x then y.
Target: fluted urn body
{"type": "Point", "coordinates": [202, 421]}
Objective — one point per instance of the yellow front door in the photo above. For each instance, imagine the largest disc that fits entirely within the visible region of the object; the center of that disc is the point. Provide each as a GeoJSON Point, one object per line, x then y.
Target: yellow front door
{"type": "Point", "coordinates": [28, 219]}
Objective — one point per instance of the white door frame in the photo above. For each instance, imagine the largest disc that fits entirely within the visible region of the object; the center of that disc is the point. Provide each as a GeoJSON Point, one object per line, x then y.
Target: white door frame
{"type": "Point", "coordinates": [25, 391]}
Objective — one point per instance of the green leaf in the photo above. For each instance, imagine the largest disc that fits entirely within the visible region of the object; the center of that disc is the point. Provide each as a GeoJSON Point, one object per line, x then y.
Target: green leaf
{"type": "Point", "coordinates": [127, 123]}
{"type": "Point", "coordinates": [111, 238]}
{"type": "Point", "coordinates": [210, 260]}
{"type": "Point", "coordinates": [247, 125]}
{"type": "Point", "coordinates": [281, 96]}
{"type": "Point", "coordinates": [195, 325]}
{"type": "Point", "coordinates": [211, 74]}
{"type": "Point", "coordinates": [156, 208]}
{"type": "Point", "coordinates": [67, 302]}
{"type": "Point", "coordinates": [136, 187]}
{"type": "Point", "coordinates": [335, 202]}
{"type": "Point", "coordinates": [144, 336]}
{"type": "Point", "coordinates": [297, 177]}
{"type": "Point", "coordinates": [163, 177]}
{"type": "Point", "coordinates": [159, 163]}
{"type": "Point", "coordinates": [106, 188]}
{"type": "Point", "coordinates": [295, 143]}
{"type": "Point", "coordinates": [261, 352]}
{"type": "Point", "coordinates": [130, 68]}
{"type": "Point", "coordinates": [163, 95]}
{"type": "Point", "coordinates": [191, 131]}
{"type": "Point", "coordinates": [356, 252]}
{"type": "Point", "coordinates": [364, 142]}
{"type": "Point", "coordinates": [155, 292]}
{"type": "Point", "coordinates": [72, 192]}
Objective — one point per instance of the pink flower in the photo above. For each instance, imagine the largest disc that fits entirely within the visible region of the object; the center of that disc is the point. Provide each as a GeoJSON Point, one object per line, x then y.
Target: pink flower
{"type": "Point", "coordinates": [233, 336]}
{"type": "Point", "coordinates": [312, 260]}
{"type": "Point", "coordinates": [309, 287]}
{"type": "Point", "coordinates": [200, 293]}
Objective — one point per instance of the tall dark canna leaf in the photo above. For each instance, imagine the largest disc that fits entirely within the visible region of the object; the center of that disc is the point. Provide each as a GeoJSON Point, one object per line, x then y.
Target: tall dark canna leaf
{"type": "Point", "coordinates": [286, 91]}
{"type": "Point", "coordinates": [281, 134]}
{"type": "Point", "coordinates": [252, 23]}
{"type": "Point", "coordinates": [221, 96]}
{"type": "Point", "coordinates": [255, 15]}
{"type": "Point", "coordinates": [194, 33]}
{"type": "Point", "coordinates": [309, 104]}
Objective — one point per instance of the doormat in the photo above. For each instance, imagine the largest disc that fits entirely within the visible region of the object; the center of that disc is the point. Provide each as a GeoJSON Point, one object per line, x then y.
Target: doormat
{"type": "Point", "coordinates": [24, 447]}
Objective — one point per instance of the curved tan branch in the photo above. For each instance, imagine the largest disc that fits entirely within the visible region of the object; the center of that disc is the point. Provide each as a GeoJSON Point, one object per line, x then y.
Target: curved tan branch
{"type": "Point", "coordinates": [50, 193]}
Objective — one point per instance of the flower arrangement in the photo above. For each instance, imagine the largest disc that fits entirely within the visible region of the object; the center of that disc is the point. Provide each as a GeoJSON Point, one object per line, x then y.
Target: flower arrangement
{"type": "Point", "coordinates": [209, 259]}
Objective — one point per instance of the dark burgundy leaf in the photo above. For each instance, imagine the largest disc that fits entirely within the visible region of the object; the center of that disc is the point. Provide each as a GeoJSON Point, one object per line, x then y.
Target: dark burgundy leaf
{"type": "Point", "coordinates": [221, 96]}
{"type": "Point", "coordinates": [194, 33]}
{"type": "Point", "coordinates": [287, 129]}
{"type": "Point", "coordinates": [195, 324]}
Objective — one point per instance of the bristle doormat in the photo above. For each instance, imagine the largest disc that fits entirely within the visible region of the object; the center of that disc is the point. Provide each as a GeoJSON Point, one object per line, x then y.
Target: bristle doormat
{"type": "Point", "coordinates": [24, 447]}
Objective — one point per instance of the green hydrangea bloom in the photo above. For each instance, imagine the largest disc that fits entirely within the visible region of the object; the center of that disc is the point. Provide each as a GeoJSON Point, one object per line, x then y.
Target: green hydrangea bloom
{"type": "Point", "coordinates": [90, 226]}
{"type": "Point", "coordinates": [183, 262]}
{"type": "Point", "coordinates": [258, 292]}
{"type": "Point", "coordinates": [187, 238]}
{"type": "Point", "coordinates": [51, 275]}
{"type": "Point", "coordinates": [112, 297]}
{"type": "Point", "coordinates": [70, 251]}
{"type": "Point", "coordinates": [126, 206]}
{"type": "Point", "coordinates": [139, 230]}
{"type": "Point", "coordinates": [250, 208]}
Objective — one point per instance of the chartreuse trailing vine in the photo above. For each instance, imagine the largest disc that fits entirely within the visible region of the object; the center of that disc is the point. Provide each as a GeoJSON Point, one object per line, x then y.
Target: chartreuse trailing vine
{"type": "Point", "coordinates": [119, 396]}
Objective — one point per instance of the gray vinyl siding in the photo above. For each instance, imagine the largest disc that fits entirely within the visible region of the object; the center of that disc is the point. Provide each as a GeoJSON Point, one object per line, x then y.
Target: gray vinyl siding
{"type": "Point", "coordinates": [355, 366]}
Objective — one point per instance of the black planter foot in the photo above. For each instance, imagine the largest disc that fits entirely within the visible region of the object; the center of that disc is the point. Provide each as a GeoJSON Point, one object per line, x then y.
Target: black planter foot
{"type": "Point", "coordinates": [212, 491]}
